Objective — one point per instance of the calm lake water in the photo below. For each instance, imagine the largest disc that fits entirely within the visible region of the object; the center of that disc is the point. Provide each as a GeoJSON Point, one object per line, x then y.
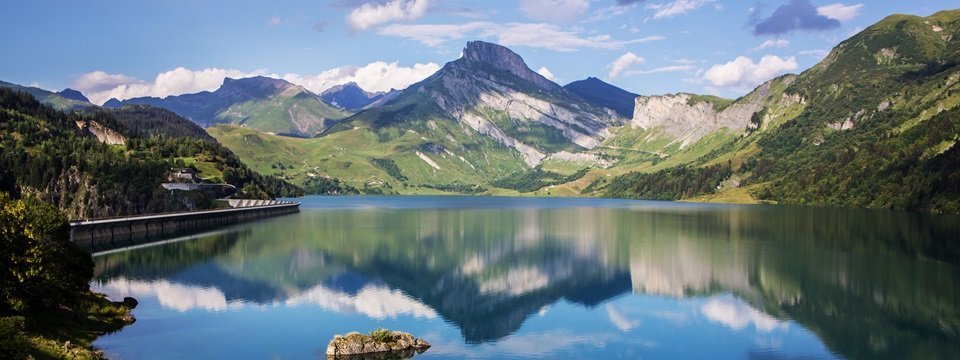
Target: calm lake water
{"type": "Point", "coordinates": [492, 277]}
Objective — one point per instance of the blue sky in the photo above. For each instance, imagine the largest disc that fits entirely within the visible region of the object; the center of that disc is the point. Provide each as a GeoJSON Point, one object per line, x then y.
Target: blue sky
{"type": "Point", "coordinates": [136, 48]}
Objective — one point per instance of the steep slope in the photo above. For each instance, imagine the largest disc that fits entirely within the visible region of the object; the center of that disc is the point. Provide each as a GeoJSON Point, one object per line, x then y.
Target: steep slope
{"type": "Point", "coordinates": [262, 103]}
{"type": "Point", "coordinates": [494, 94]}
{"type": "Point", "coordinates": [67, 99]}
{"type": "Point", "coordinates": [873, 125]}
{"type": "Point", "coordinates": [881, 123]}
{"type": "Point", "coordinates": [91, 164]}
{"type": "Point", "coordinates": [350, 96]}
{"type": "Point", "coordinates": [603, 94]}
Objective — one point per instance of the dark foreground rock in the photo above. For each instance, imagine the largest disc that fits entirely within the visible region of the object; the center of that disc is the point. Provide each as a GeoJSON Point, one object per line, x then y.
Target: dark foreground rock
{"type": "Point", "coordinates": [397, 345]}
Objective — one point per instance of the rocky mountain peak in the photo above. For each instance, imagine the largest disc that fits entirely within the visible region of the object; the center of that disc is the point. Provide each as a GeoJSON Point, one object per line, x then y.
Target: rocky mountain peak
{"type": "Point", "coordinates": [503, 58]}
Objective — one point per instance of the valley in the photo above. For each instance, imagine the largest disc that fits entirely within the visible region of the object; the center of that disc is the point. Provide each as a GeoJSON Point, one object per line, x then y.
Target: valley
{"type": "Point", "coordinates": [880, 108]}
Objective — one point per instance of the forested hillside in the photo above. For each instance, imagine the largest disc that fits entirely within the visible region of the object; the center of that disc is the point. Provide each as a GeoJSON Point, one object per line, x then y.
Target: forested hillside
{"type": "Point", "coordinates": [91, 164]}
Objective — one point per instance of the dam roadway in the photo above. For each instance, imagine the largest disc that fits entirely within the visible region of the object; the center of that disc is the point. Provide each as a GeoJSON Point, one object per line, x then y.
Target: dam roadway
{"type": "Point", "coordinates": [107, 233]}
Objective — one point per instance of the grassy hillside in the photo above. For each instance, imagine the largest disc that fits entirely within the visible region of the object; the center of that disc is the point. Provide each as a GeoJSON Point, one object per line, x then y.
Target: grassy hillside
{"type": "Point", "coordinates": [293, 111]}
{"type": "Point", "coordinates": [875, 124]}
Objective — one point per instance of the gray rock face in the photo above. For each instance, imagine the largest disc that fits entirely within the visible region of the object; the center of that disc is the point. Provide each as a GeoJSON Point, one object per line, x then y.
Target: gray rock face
{"type": "Point", "coordinates": [355, 345]}
{"type": "Point", "coordinates": [677, 116]}
{"type": "Point", "coordinates": [503, 58]}
{"type": "Point", "coordinates": [491, 86]}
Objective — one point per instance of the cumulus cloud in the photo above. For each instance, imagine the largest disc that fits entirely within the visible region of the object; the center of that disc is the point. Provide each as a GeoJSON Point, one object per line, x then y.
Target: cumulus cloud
{"type": "Point", "coordinates": [676, 7]}
{"type": "Point", "coordinates": [100, 86]}
{"type": "Point", "coordinates": [372, 14]}
{"type": "Point", "coordinates": [537, 35]}
{"type": "Point", "coordinates": [742, 72]}
{"type": "Point", "coordinates": [771, 43]}
{"type": "Point", "coordinates": [622, 63]}
{"type": "Point", "coordinates": [840, 12]}
{"type": "Point", "coordinates": [546, 73]}
{"type": "Point", "coordinates": [375, 76]}
{"type": "Point", "coordinates": [554, 10]}
{"type": "Point", "coordinates": [793, 16]}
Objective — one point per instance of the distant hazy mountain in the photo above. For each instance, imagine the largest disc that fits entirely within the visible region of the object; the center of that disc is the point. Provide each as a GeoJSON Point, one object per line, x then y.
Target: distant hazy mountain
{"type": "Point", "coordinates": [73, 95]}
{"type": "Point", "coordinates": [262, 103]}
{"type": "Point", "coordinates": [68, 99]}
{"type": "Point", "coordinates": [603, 94]}
{"type": "Point", "coordinates": [350, 96]}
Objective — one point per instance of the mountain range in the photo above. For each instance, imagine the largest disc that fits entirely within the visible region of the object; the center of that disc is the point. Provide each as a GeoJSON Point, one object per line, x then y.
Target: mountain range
{"type": "Point", "coordinates": [872, 125]}
{"type": "Point", "coordinates": [262, 103]}
{"type": "Point", "coordinates": [350, 97]}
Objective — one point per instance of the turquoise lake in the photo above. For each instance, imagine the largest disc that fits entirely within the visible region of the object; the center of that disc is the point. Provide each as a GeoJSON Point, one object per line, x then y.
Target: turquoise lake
{"type": "Point", "coordinates": [524, 278]}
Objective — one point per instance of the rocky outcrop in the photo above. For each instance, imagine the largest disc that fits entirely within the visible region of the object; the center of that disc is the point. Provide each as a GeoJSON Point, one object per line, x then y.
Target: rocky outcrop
{"type": "Point", "coordinates": [688, 119]}
{"type": "Point", "coordinates": [387, 345]}
{"type": "Point", "coordinates": [102, 133]}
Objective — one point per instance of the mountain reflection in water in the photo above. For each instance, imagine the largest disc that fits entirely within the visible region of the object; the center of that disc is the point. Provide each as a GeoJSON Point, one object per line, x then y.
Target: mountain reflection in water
{"type": "Point", "coordinates": [866, 283]}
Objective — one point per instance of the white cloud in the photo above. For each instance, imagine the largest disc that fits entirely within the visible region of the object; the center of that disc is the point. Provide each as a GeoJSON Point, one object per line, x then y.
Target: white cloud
{"type": "Point", "coordinates": [736, 314]}
{"type": "Point", "coordinates": [554, 10]}
{"type": "Point", "coordinates": [373, 14]}
{"type": "Point", "coordinates": [672, 68]}
{"type": "Point", "coordinates": [840, 12]}
{"type": "Point", "coordinates": [537, 35]}
{"type": "Point", "coordinates": [742, 72]}
{"type": "Point", "coordinates": [546, 73]}
{"type": "Point", "coordinates": [100, 86]}
{"type": "Point", "coordinates": [375, 76]}
{"type": "Point", "coordinates": [676, 7]}
{"type": "Point", "coordinates": [771, 43]}
{"type": "Point", "coordinates": [622, 63]}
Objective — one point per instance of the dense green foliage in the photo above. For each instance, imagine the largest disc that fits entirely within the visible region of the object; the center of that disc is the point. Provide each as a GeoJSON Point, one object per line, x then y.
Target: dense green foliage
{"type": "Point", "coordinates": [43, 269]}
{"type": "Point", "coordinates": [671, 184]}
{"type": "Point", "coordinates": [536, 179]}
{"type": "Point", "coordinates": [44, 152]}
{"type": "Point", "coordinates": [390, 167]}
{"type": "Point", "coordinates": [456, 187]}
{"type": "Point", "coordinates": [148, 121]}
{"type": "Point", "coordinates": [898, 150]}
{"type": "Point", "coordinates": [328, 186]}
{"type": "Point", "coordinates": [44, 285]}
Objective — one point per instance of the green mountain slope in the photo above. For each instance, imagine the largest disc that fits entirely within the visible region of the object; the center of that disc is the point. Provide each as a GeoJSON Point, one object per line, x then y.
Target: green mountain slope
{"type": "Point", "coordinates": [56, 100]}
{"type": "Point", "coordinates": [91, 164]}
{"type": "Point", "coordinates": [262, 103]}
{"type": "Point", "coordinates": [873, 125]}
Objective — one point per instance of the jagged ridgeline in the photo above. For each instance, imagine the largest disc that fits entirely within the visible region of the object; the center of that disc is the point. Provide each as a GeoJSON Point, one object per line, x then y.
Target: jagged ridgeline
{"type": "Point", "coordinates": [99, 162]}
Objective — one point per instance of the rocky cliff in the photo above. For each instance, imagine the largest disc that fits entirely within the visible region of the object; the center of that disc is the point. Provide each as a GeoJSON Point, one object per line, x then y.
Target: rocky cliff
{"type": "Point", "coordinates": [688, 118]}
